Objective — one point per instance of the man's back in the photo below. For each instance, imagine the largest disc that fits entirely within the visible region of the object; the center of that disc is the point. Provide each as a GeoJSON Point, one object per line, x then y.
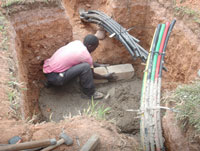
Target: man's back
{"type": "Point", "coordinates": [66, 57]}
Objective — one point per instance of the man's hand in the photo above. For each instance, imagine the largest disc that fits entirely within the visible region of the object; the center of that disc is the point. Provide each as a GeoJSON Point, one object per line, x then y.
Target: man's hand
{"type": "Point", "coordinates": [111, 76]}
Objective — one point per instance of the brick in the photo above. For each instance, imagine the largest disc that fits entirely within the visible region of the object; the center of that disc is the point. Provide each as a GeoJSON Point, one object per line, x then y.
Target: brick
{"type": "Point", "coordinates": [123, 71]}
{"type": "Point", "coordinates": [101, 71]}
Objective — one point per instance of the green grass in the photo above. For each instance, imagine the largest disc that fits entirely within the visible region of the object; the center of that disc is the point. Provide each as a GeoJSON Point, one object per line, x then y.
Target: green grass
{"type": "Point", "coordinates": [96, 110]}
{"type": "Point", "coordinates": [11, 86]}
{"type": "Point", "coordinates": [181, 11]}
{"type": "Point", "coordinates": [186, 10]}
{"type": "Point", "coordinates": [7, 3]}
{"type": "Point", "coordinates": [187, 100]}
{"type": "Point", "coordinates": [182, 1]}
{"type": "Point", "coordinates": [197, 19]}
{"type": "Point", "coordinates": [11, 96]}
{"type": "Point", "coordinates": [14, 96]}
{"type": "Point", "coordinates": [3, 33]}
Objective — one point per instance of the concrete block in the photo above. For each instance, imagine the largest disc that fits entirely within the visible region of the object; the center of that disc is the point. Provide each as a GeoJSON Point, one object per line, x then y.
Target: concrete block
{"type": "Point", "coordinates": [101, 71]}
{"type": "Point", "coordinates": [123, 71]}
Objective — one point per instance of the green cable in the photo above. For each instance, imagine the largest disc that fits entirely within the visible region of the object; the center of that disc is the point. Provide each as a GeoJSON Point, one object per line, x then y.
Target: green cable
{"type": "Point", "coordinates": [156, 52]}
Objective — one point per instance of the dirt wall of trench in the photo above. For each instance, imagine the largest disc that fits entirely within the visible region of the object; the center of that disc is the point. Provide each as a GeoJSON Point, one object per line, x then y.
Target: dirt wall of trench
{"type": "Point", "coordinates": [183, 51]}
{"type": "Point", "coordinates": [127, 13]}
{"type": "Point", "coordinates": [40, 29]}
{"type": "Point", "coordinates": [39, 32]}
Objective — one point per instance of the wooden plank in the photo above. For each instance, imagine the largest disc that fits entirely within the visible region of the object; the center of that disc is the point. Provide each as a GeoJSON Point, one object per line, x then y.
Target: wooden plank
{"type": "Point", "coordinates": [91, 144]}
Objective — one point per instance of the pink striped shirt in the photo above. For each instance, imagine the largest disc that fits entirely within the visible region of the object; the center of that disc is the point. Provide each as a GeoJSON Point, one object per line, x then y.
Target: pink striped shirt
{"type": "Point", "coordinates": [67, 56]}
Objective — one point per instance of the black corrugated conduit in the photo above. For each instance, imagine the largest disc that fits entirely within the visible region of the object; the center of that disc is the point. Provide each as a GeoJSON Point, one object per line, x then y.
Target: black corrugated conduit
{"type": "Point", "coordinates": [117, 31]}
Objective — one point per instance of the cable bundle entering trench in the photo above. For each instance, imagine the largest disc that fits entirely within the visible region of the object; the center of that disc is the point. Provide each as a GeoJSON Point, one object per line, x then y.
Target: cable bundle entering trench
{"type": "Point", "coordinates": [150, 124]}
{"type": "Point", "coordinates": [116, 30]}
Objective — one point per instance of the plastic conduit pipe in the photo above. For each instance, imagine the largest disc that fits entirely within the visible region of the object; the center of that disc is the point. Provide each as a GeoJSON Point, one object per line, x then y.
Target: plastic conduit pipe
{"type": "Point", "coordinates": [121, 28]}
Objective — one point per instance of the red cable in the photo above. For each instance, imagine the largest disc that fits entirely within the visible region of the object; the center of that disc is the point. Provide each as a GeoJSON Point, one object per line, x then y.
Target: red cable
{"type": "Point", "coordinates": [161, 49]}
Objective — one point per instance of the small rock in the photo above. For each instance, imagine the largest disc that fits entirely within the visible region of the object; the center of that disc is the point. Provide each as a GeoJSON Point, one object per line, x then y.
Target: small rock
{"type": "Point", "coordinates": [88, 5]}
{"type": "Point", "coordinates": [38, 57]}
{"type": "Point", "coordinates": [100, 34]}
{"type": "Point", "coordinates": [198, 73]}
{"type": "Point", "coordinates": [107, 96]}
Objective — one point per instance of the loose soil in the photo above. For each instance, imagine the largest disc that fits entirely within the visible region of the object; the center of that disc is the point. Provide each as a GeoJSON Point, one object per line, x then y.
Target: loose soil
{"type": "Point", "coordinates": [79, 127]}
{"type": "Point", "coordinates": [58, 102]}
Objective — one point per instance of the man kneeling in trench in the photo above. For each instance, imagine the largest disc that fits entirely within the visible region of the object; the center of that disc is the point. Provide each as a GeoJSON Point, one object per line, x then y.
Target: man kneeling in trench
{"type": "Point", "coordinates": [74, 60]}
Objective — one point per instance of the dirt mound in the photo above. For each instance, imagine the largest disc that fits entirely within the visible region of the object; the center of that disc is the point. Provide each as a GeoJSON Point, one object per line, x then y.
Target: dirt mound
{"type": "Point", "coordinates": [79, 127]}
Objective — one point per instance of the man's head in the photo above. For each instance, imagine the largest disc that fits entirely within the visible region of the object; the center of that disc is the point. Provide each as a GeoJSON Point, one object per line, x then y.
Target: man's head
{"type": "Point", "coordinates": [91, 42]}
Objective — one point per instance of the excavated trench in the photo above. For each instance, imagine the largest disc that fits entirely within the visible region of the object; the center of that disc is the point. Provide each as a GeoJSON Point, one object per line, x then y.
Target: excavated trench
{"type": "Point", "coordinates": [39, 33]}
{"type": "Point", "coordinates": [44, 27]}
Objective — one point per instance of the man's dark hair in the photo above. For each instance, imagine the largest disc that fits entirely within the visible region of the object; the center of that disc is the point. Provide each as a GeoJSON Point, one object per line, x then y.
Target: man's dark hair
{"type": "Point", "coordinates": [91, 40]}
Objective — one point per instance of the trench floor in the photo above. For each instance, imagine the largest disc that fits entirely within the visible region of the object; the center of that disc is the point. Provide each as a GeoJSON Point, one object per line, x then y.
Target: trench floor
{"type": "Point", "coordinates": [59, 102]}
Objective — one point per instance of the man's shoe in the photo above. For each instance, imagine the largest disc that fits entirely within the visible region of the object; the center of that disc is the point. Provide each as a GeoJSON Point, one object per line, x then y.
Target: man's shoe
{"type": "Point", "coordinates": [97, 95]}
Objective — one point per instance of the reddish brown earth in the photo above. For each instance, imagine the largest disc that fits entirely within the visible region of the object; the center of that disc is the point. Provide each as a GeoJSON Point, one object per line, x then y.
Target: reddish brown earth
{"type": "Point", "coordinates": [81, 127]}
{"type": "Point", "coordinates": [37, 29]}
{"type": "Point", "coordinates": [184, 141]}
